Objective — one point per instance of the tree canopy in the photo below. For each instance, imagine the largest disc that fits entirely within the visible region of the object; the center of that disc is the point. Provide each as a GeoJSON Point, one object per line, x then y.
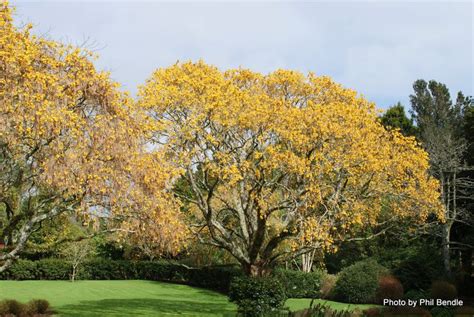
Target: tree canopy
{"type": "Point", "coordinates": [281, 163]}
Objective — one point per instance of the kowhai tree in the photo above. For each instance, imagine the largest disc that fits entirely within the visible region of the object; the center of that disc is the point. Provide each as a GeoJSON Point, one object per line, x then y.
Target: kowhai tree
{"type": "Point", "coordinates": [70, 142]}
{"type": "Point", "coordinates": [282, 163]}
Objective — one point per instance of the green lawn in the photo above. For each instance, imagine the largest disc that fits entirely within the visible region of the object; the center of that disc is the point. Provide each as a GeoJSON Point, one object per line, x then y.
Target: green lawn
{"type": "Point", "coordinates": [127, 298]}
{"type": "Point", "coordinates": [120, 298]}
{"type": "Point", "coordinates": [302, 303]}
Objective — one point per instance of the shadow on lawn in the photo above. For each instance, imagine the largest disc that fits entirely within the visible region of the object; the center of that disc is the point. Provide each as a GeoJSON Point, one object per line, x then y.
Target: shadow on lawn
{"type": "Point", "coordinates": [145, 307]}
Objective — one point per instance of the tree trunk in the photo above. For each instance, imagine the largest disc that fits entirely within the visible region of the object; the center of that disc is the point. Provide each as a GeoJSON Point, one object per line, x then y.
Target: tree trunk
{"type": "Point", "coordinates": [73, 276]}
{"type": "Point", "coordinates": [307, 260]}
{"type": "Point", "coordinates": [257, 269]}
{"type": "Point", "coordinates": [446, 248]}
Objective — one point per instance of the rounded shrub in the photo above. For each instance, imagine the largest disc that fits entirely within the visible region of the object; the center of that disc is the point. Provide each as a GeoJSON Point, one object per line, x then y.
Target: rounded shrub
{"type": "Point", "coordinates": [358, 283]}
{"type": "Point", "coordinates": [38, 307]}
{"type": "Point", "coordinates": [443, 290]}
{"type": "Point", "coordinates": [257, 296]}
{"type": "Point", "coordinates": [389, 288]}
{"type": "Point", "coordinates": [11, 307]}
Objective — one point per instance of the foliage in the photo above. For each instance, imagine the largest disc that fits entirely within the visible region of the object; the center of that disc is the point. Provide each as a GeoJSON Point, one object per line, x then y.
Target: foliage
{"type": "Point", "coordinates": [257, 296]}
{"type": "Point", "coordinates": [358, 283]}
{"type": "Point", "coordinates": [281, 163]}
{"type": "Point", "coordinates": [108, 249]}
{"type": "Point", "coordinates": [388, 287]}
{"type": "Point", "coordinates": [71, 143]}
{"type": "Point", "coordinates": [300, 284]}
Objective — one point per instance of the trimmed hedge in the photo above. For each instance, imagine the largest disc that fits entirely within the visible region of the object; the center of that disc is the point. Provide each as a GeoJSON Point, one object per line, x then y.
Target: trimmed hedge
{"type": "Point", "coordinates": [97, 269]}
{"type": "Point", "coordinates": [215, 277]}
{"type": "Point", "coordinates": [296, 283]}
{"type": "Point", "coordinates": [257, 296]}
{"type": "Point", "coordinates": [299, 284]}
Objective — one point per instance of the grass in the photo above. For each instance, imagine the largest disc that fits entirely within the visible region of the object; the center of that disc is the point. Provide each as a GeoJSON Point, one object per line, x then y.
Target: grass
{"type": "Point", "coordinates": [302, 303]}
{"type": "Point", "coordinates": [133, 298]}
{"type": "Point", "coordinates": [120, 298]}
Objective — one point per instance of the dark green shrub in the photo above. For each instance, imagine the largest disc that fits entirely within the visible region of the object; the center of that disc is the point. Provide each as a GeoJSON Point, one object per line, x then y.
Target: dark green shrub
{"type": "Point", "coordinates": [299, 284]}
{"type": "Point", "coordinates": [10, 307]}
{"type": "Point", "coordinates": [257, 296]}
{"type": "Point", "coordinates": [416, 294]}
{"type": "Point", "coordinates": [358, 283]}
{"type": "Point", "coordinates": [443, 290]}
{"type": "Point", "coordinates": [418, 270]}
{"type": "Point", "coordinates": [38, 306]}
{"type": "Point", "coordinates": [53, 269]}
{"type": "Point", "coordinates": [214, 277]}
{"type": "Point", "coordinates": [389, 287]}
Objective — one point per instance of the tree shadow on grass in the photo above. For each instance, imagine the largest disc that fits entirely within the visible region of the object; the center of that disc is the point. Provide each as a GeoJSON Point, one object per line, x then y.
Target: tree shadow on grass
{"type": "Point", "coordinates": [145, 307]}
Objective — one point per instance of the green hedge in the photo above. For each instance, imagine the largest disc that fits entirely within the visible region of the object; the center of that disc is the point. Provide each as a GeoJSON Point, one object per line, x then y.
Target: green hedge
{"type": "Point", "coordinates": [296, 283]}
{"type": "Point", "coordinates": [257, 297]}
{"type": "Point", "coordinates": [97, 269]}
{"type": "Point", "coordinates": [299, 284]}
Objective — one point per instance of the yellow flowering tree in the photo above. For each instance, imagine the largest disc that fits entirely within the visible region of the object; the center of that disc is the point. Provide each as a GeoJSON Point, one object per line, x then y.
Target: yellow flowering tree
{"type": "Point", "coordinates": [70, 142]}
{"type": "Point", "coordinates": [281, 163]}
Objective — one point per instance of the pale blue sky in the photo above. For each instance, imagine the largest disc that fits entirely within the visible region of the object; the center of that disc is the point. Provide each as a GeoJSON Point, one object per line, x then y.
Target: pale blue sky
{"type": "Point", "coordinates": [377, 48]}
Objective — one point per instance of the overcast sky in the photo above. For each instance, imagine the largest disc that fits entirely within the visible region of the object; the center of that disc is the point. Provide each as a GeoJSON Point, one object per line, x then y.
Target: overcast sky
{"type": "Point", "coordinates": [377, 48]}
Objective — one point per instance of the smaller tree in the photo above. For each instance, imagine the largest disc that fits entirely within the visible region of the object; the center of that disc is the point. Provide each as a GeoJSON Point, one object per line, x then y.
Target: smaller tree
{"type": "Point", "coordinates": [76, 253]}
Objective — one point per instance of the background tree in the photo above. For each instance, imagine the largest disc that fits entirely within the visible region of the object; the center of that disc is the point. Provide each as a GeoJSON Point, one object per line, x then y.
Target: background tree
{"type": "Point", "coordinates": [395, 117]}
{"type": "Point", "coordinates": [70, 142]}
{"type": "Point", "coordinates": [281, 164]}
{"type": "Point", "coordinates": [76, 253]}
{"type": "Point", "coordinates": [441, 126]}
